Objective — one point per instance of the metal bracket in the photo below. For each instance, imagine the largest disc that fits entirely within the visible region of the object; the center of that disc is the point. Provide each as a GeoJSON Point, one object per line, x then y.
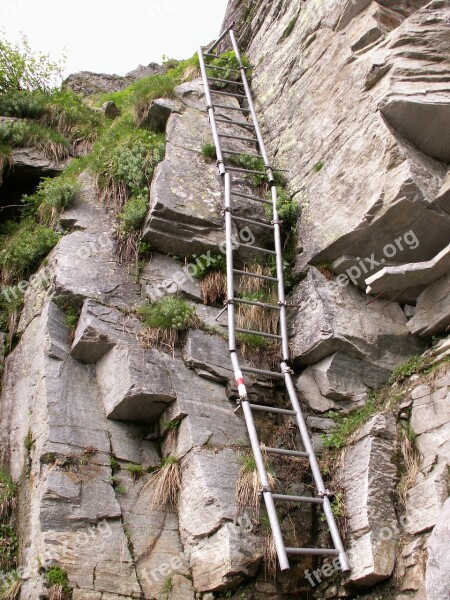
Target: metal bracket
{"type": "Point", "coordinates": [325, 493]}
{"type": "Point", "coordinates": [265, 489]}
{"type": "Point", "coordinates": [287, 370]}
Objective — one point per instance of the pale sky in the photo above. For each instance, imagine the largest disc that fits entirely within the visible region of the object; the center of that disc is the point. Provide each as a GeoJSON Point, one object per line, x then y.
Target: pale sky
{"type": "Point", "coordinates": [113, 36]}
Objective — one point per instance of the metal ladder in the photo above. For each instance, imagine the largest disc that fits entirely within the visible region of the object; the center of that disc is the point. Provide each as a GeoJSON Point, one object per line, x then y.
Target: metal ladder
{"type": "Point", "coordinates": [285, 373]}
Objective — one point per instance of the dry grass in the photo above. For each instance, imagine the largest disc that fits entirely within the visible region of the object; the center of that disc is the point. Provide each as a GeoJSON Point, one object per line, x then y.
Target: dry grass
{"type": "Point", "coordinates": [255, 317]}
{"type": "Point", "coordinates": [6, 161]}
{"type": "Point", "coordinates": [269, 557]}
{"type": "Point", "coordinates": [113, 194]}
{"type": "Point", "coordinates": [127, 246]}
{"type": "Point", "coordinates": [161, 337]}
{"type": "Point", "coordinates": [248, 487]}
{"type": "Point", "coordinates": [166, 482]}
{"type": "Point", "coordinates": [11, 591]}
{"type": "Point", "coordinates": [213, 287]}
{"type": "Point", "coordinates": [412, 461]}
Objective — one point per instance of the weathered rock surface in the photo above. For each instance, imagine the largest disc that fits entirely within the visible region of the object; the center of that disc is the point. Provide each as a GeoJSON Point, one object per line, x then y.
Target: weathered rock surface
{"type": "Point", "coordinates": [339, 319]}
{"type": "Point", "coordinates": [432, 315]}
{"type": "Point", "coordinates": [88, 83]}
{"type": "Point", "coordinates": [369, 480]}
{"type": "Point", "coordinates": [164, 275]}
{"type": "Point", "coordinates": [425, 500]}
{"type": "Point", "coordinates": [438, 575]}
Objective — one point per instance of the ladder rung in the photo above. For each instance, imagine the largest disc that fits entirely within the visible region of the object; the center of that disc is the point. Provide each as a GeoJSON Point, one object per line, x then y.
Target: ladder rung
{"type": "Point", "coordinates": [261, 333]}
{"type": "Point", "coordinates": [257, 275]}
{"type": "Point", "coordinates": [254, 198]}
{"type": "Point", "coordinates": [262, 372]}
{"type": "Point", "coordinates": [241, 123]}
{"type": "Point", "coordinates": [272, 409]}
{"type": "Point", "coordinates": [284, 452]}
{"type": "Point", "coordinates": [306, 499]}
{"type": "Point", "coordinates": [312, 551]}
{"type": "Point", "coordinates": [211, 55]}
{"type": "Point", "coordinates": [228, 94]}
{"type": "Point", "coordinates": [230, 107]}
{"type": "Point", "coordinates": [222, 68]}
{"type": "Point", "coordinates": [238, 137]}
{"type": "Point", "coordinates": [252, 221]}
{"type": "Point", "coordinates": [258, 249]}
{"type": "Point", "coordinates": [256, 303]}
{"type": "Point", "coordinates": [224, 80]}
{"type": "Point", "coordinates": [239, 170]}
{"type": "Point", "coordinates": [240, 153]}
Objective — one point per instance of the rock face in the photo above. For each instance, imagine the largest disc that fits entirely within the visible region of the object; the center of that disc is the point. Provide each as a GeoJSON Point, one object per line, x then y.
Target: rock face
{"type": "Point", "coordinates": [438, 576]}
{"type": "Point", "coordinates": [88, 83]}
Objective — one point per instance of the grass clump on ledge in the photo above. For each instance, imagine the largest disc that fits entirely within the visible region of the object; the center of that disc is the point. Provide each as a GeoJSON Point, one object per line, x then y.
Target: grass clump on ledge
{"type": "Point", "coordinates": [209, 152]}
{"type": "Point", "coordinates": [10, 587]}
{"type": "Point", "coordinates": [347, 426]}
{"type": "Point", "coordinates": [166, 483]}
{"type": "Point", "coordinates": [211, 270]}
{"type": "Point", "coordinates": [248, 486]}
{"type": "Point", "coordinates": [58, 584]}
{"type": "Point", "coordinates": [165, 320]}
{"type": "Point", "coordinates": [24, 133]}
{"type": "Point", "coordinates": [52, 196]}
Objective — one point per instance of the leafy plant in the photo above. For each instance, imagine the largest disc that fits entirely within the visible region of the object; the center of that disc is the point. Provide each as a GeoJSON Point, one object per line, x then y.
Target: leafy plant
{"type": "Point", "coordinates": [288, 211]}
{"type": "Point", "coordinates": [58, 582]}
{"type": "Point", "coordinates": [23, 104]}
{"type": "Point", "coordinates": [168, 313]}
{"type": "Point", "coordinates": [167, 587]}
{"type": "Point", "coordinates": [28, 442]}
{"type": "Point", "coordinates": [318, 167]}
{"type": "Point", "coordinates": [228, 66]}
{"type": "Point", "coordinates": [51, 197]}
{"type": "Point", "coordinates": [117, 485]}
{"type": "Point", "coordinates": [72, 306]}
{"type": "Point", "coordinates": [23, 69]}
{"type": "Point", "coordinates": [133, 213]}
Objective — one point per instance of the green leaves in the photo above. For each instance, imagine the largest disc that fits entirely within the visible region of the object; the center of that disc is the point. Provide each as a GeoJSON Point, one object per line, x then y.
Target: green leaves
{"type": "Point", "coordinates": [168, 313]}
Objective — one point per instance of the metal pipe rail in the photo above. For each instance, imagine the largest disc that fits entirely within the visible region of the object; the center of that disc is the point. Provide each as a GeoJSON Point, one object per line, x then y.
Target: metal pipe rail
{"type": "Point", "coordinates": [226, 170]}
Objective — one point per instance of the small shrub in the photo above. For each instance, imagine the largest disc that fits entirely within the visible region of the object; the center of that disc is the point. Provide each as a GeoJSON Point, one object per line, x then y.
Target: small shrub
{"type": "Point", "coordinates": [23, 104]}
{"type": "Point", "coordinates": [168, 313]}
{"type": "Point", "coordinates": [7, 495]}
{"type": "Point", "coordinates": [288, 211]}
{"type": "Point", "coordinates": [229, 62]}
{"type": "Point", "coordinates": [52, 196]}
{"type": "Point", "coordinates": [209, 152]}
{"type": "Point", "coordinates": [133, 213]}
{"type": "Point", "coordinates": [8, 547]}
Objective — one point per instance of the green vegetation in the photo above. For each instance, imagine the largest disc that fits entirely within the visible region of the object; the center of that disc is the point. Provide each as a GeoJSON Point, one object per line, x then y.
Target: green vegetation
{"type": "Point", "coordinates": [71, 305]}
{"type": "Point", "coordinates": [52, 196]}
{"type": "Point", "coordinates": [133, 214]}
{"type": "Point", "coordinates": [229, 62]}
{"type": "Point", "coordinates": [18, 134]}
{"type": "Point", "coordinates": [209, 152]}
{"type": "Point", "coordinates": [253, 163]}
{"type": "Point", "coordinates": [7, 495]}
{"type": "Point", "coordinates": [56, 577]}
{"type": "Point", "coordinates": [10, 586]}
{"type": "Point", "coordinates": [168, 313]}
{"type": "Point", "coordinates": [289, 29]}
{"type": "Point", "coordinates": [208, 264]}
{"type": "Point", "coordinates": [167, 587]}
{"type": "Point", "coordinates": [348, 425]}
{"type": "Point", "coordinates": [117, 485]}
{"type": "Point", "coordinates": [8, 547]}
{"type": "Point", "coordinates": [413, 365]}
{"type": "Point", "coordinates": [318, 167]}
{"type": "Point", "coordinates": [28, 442]}
{"type": "Point", "coordinates": [114, 463]}
{"type": "Point", "coordinates": [136, 471]}
{"type": "Point", "coordinates": [169, 426]}
{"type": "Point", "coordinates": [22, 69]}
{"type": "Point", "coordinates": [288, 211]}
{"type": "Point", "coordinates": [251, 340]}
{"type": "Point", "coordinates": [22, 246]}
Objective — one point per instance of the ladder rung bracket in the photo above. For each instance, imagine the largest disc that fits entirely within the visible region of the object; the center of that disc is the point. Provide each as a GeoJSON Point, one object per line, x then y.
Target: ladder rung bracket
{"type": "Point", "coordinates": [256, 303]}
{"type": "Point", "coordinates": [240, 123]}
{"type": "Point", "coordinates": [274, 374]}
{"type": "Point", "coordinates": [252, 222]}
{"type": "Point", "coordinates": [258, 249]}
{"type": "Point", "coordinates": [224, 80]}
{"type": "Point", "coordinates": [239, 170]}
{"type": "Point", "coordinates": [272, 336]}
{"type": "Point", "coordinates": [283, 452]}
{"type": "Point", "coordinates": [312, 551]}
{"type": "Point", "coordinates": [228, 94]}
{"type": "Point", "coordinates": [302, 499]}
{"type": "Point", "coordinates": [272, 409]}
{"type": "Point", "coordinates": [238, 137]}
{"type": "Point", "coordinates": [257, 275]}
{"type": "Point", "coordinates": [254, 198]}
{"type": "Point", "coordinates": [230, 107]}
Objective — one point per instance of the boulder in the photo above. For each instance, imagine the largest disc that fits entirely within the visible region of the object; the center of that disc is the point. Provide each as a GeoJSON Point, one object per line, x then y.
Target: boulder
{"type": "Point", "coordinates": [163, 275]}
{"type": "Point", "coordinates": [111, 110]}
{"type": "Point", "coordinates": [432, 315]}
{"type": "Point", "coordinates": [135, 385]}
{"type": "Point", "coordinates": [369, 477]}
{"type": "Point", "coordinates": [206, 352]}
{"type": "Point", "coordinates": [340, 319]}
{"type": "Point", "coordinates": [156, 115]}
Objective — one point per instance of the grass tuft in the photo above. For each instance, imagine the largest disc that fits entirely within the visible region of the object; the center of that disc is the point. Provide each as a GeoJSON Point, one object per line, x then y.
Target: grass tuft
{"type": "Point", "coordinates": [413, 365]}
{"type": "Point", "coordinates": [209, 152]}
{"type": "Point", "coordinates": [24, 134]}
{"type": "Point", "coordinates": [248, 487]}
{"type": "Point", "coordinates": [166, 483]}
{"type": "Point", "coordinates": [11, 587]}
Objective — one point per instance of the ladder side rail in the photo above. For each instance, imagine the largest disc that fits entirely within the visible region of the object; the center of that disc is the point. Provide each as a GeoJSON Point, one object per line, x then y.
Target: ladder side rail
{"type": "Point", "coordinates": [211, 113]}
{"type": "Point", "coordinates": [334, 531]}
{"type": "Point", "coordinates": [276, 221]}
{"type": "Point", "coordinates": [253, 435]}
{"type": "Point", "coordinates": [219, 39]}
